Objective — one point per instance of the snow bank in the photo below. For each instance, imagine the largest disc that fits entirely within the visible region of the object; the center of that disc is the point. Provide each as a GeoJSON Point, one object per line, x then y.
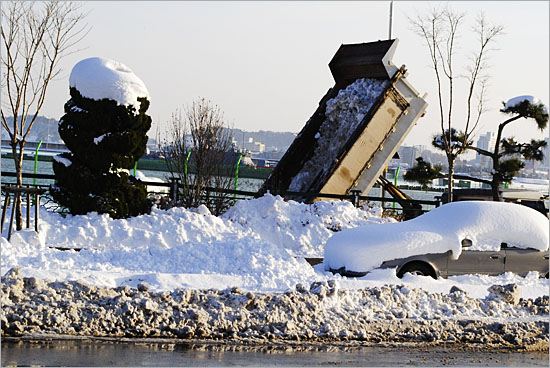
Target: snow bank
{"type": "Point", "coordinates": [519, 99]}
{"type": "Point", "coordinates": [343, 114]}
{"type": "Point", "coordinates": [257, 245]}
{"type": "Point", "coordinates": [487, 224]}
{"type": "Point", "coordinates": [98, 78]}
{"type": "Point", "coordinates": [157, 247]}
{"type": "Point", "coordinates": [300, 228]}
{"type": "Point", "coordinates": [319, 311]}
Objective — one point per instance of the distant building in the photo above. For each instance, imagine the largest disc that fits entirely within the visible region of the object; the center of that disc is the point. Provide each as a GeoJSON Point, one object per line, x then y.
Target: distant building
{"type": "Point", "coordinates": [530, 165]}
{"type": "Point", "coordinates": [249, 145]}
{"type": "Point", "coordinates": [254, 146]}
{"type": "Point", "coordinates": [485, 142]}
{"type": "Point", "coordinates": [408, 154]}
{"type": "Point", "coordinates": [546, 159]}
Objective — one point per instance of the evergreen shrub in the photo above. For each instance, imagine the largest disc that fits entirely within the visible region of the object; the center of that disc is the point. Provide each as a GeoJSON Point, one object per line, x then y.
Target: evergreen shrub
{"type": "Point", "coordinates": [103, 138]}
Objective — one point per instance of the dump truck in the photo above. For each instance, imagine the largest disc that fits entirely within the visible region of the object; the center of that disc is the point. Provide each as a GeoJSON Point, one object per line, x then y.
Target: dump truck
{"type": "Point", "coordinates": [357, 128]}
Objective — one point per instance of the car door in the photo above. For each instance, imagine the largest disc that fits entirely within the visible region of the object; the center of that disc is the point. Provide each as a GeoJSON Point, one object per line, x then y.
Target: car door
{"type": "Point", "coordinates": [521, 261]}
{"type": "Point", "coordinates": [480, 262]}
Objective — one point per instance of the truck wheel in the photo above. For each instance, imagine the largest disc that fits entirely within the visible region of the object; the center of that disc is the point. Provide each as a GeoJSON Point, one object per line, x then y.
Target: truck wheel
{"type": "Point", "coordinates": [417, 268]}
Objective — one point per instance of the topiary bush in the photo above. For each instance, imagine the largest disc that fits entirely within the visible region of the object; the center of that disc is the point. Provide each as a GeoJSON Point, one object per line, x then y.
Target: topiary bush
{"type": "Point", "coordinates": [103, 137]}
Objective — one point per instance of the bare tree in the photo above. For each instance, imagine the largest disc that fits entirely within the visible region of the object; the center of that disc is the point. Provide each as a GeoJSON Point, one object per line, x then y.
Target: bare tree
{"type": "Point", "coordinates": [199, 153]}
{"type": "Point", "coordinates": [440, 30]}
{"type": "Point", "coordinates": [35, 36]}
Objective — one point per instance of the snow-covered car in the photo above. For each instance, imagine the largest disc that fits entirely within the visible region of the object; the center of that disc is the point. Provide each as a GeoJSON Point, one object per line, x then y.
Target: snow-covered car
{"type": "Point", "coordinates": [471, 237]}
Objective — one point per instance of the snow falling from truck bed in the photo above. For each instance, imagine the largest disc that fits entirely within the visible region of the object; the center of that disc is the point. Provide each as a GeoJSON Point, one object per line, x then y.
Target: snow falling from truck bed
{"type": "Point", "coordinates": [343, 114]}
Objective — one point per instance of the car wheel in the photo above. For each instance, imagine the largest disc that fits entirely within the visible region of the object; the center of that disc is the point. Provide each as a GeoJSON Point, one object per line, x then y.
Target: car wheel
{"type": "Point", "coordinates": [417, 268]}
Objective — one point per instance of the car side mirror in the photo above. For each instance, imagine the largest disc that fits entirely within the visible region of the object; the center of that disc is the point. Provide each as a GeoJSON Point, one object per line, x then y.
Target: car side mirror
{"type": "Point", "coordinates": [466, 243]}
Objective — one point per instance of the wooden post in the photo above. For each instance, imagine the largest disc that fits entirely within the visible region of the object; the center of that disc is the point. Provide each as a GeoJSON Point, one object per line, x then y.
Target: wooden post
{"type": "Point", "coordinates": [355, 193]}
{"type": "Point", "coordinates": [17, 195]}
{"type": "Point", "coordinates": [4, 210]}
{"type": "Point", "coordinates": [28, 208]}
{"type": "Point", "coordinates": [17, 191]}
{"type": "Point", "coordinates": [36, 204]}
{"type": "Point", "coordinates": [174, 189]}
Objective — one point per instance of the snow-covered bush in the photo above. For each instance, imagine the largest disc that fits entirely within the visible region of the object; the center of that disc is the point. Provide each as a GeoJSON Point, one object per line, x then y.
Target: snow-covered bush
{"type": "Point", "coordinates": [104, 136]}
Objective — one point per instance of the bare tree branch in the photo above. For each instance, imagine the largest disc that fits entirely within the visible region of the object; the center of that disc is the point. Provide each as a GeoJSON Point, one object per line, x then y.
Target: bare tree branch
{"type": "Point", "coordinates": [486, 35]}
{"type": "Point", "coordinates": [440, 31]}
{"type": "Point", "coordinates": [35, 36]}
{"type": "Point", "coordinates": [472, 178]}
{"type": "Point", "coordinates": [200, 154]}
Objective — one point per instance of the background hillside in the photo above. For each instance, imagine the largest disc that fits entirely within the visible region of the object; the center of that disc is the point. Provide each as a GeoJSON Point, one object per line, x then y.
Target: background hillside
{"type": "Point", "coordinates": [45, 129]}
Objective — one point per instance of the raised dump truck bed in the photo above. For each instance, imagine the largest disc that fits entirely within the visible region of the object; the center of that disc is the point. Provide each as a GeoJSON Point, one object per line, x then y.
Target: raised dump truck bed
{"type": "Point", "coordinates": [357, 128]}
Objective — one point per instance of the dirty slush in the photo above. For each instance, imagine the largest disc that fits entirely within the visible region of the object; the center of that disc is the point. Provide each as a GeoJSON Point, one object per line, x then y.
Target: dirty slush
{"type": "Point", "coordinates": [321, 312]}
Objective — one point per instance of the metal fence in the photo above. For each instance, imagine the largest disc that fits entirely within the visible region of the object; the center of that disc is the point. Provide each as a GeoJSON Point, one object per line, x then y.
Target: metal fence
{"type": "Point", "coordinates": [173, 192]}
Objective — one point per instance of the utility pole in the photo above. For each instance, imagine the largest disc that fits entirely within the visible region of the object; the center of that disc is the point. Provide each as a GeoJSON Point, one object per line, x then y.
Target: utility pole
{"type": "Point", "coordinates": [391, 16]}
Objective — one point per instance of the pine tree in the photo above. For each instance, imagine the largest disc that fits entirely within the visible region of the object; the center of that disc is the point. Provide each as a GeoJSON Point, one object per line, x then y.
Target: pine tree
{"type": "Point", "coordinates": [423, 173]}
{"type": "Point", "coordinates": [505, 156]}
{"type": "Point", "coordinates": [103, 137]}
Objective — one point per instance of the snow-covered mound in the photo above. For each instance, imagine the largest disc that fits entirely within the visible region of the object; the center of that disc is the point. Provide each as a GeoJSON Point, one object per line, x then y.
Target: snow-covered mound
{"type": "Point", "coordinates": [487, 224]}
{"type": "Point", "coordinates": [300, 228]}
{"type": "Point", "coordinates": [519, 99]}
{"type": "Point", "coordinates": [322, 311]}
{"type": "Point", "coordinates": [98, 78]}
{"type": "Point", "coordinates": [258, 245]}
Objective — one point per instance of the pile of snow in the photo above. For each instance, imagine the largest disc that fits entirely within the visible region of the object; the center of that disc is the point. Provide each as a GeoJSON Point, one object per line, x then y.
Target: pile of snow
{"type": "Point", "coordinates": [248, 247]}
{"type": "Point", "coordinates": [98, 78]}
{"type": "Point", "coordinates": [487, 224]}
{"type": "Point", "coordinates": [321, 310]}
{"type": "Point", "coordinates": [519, 99]}
{"type": "Point", "coordinates": [258, 245]}
{"type": "Point", "coordinates": [300, 228]}
{"type": "Point", "coordinates": [343, 114]}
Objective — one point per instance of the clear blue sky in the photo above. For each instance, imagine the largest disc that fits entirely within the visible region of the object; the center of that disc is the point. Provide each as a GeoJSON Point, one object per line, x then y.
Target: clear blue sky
{"type": "Point", "coordinates": [266, 63]}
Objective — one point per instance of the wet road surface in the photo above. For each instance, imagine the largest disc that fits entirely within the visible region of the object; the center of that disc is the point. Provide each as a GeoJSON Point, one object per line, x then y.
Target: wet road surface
{"type": "Point", "coordinates": [128, 353]}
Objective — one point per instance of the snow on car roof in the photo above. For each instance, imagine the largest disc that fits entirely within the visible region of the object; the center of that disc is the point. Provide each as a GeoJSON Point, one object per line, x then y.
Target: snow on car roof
{"type": "Point", "coordinates": [487, 224]}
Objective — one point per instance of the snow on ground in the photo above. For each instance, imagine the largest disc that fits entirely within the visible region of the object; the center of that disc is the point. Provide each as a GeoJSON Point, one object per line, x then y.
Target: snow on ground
{"type": "Point", "coordinates": [258, 245]}
{"type": "Point", "coordinates": [300, 228]}
{"type": "Point", "coordinates": [539, 185]}
{"type": "Point", "coordinates": [98, 78]}
{"type": "Point", "coordinates": [486, 224]}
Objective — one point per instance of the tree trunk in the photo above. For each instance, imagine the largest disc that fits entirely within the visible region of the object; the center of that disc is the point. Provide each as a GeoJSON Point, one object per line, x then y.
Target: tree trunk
{"type": "Point", "coordinates": [18, 161]}
{"type": "Point", "coordinates": [496, 192]}
{"type": "Point", "coordinates": [495, 182]}
{"type": "Point", "coordinates": [450, 175]}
